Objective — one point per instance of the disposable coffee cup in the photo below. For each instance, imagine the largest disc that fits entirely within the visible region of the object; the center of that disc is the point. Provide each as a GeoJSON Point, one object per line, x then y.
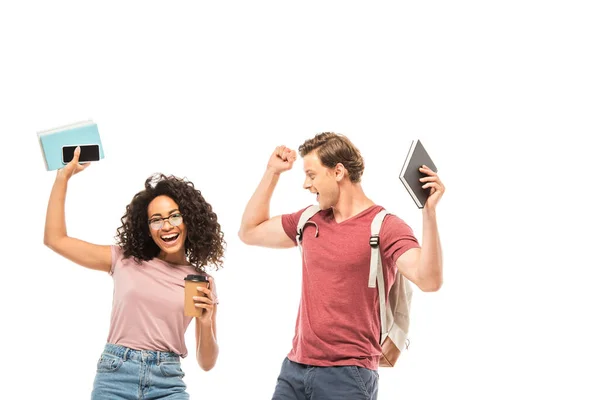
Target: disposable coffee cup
{"type": "Point", "coordinates": [191, 284]}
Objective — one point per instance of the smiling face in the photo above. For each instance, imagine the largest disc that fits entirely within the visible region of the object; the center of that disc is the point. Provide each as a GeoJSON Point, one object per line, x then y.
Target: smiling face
{"type": "Point", "coordinates": [170, 237]}
{"type": "Point", "coordinates": [322, 181]}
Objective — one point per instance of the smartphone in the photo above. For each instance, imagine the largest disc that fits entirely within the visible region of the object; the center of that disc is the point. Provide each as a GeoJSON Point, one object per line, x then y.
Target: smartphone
{"type": "Point", "coordinates": [89, 152]}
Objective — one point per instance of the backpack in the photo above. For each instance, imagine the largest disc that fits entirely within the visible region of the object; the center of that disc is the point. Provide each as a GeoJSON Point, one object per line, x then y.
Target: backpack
{"type": "Point", "coordinates": [394, 314]}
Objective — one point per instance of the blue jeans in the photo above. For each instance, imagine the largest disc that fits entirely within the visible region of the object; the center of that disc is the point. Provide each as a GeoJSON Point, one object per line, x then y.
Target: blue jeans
{"type": "Point", "coordinates": [306, 382]}
{"type": "Point", "coordinates": [127, 374]}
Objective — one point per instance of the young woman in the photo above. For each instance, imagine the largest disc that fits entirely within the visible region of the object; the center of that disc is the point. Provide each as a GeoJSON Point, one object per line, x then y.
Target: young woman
{"type": "Point", "coordinates": [168, 232]}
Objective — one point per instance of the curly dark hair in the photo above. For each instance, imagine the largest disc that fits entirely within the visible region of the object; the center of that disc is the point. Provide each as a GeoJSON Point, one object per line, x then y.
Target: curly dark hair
{"type": "Point", "coordinates": [204, 243]}
{"type": "Point", "coordinates": [333, 148]}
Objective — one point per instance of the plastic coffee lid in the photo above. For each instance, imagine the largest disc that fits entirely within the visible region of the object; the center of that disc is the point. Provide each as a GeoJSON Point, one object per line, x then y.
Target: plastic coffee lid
{"type": "Point", "coordinates": [196, 278]}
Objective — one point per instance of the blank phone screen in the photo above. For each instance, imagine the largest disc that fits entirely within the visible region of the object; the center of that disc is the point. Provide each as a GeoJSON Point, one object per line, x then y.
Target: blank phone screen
{"type": "Point", "coordinates": [88, 153]}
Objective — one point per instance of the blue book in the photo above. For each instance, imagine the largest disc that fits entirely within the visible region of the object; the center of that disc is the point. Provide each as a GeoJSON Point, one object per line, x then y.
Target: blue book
{"type": "Point", "coordinates": [58, 144]}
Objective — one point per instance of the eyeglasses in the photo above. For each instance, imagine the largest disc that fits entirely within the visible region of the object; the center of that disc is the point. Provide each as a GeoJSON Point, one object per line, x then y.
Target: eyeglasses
{"type": "Point", "coordinates": [174, 219]}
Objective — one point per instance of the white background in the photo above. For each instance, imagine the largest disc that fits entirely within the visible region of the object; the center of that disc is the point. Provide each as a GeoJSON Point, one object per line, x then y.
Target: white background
{"type": "Point", "coordinates": [504, 95]}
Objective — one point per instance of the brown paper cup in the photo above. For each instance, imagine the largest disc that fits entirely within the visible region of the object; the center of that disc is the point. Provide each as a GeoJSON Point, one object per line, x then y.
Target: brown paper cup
{"type": "Point", "coordinates": [191, 284]}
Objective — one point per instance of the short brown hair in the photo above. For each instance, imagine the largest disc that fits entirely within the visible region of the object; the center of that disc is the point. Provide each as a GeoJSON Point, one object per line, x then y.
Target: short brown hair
{"type": "Point", "coordinates": [333, 148]}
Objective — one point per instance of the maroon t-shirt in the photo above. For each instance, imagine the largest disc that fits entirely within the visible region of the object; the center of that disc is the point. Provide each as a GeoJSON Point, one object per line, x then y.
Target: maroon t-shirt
{"type": "Point", "coordinates": [338, 318]}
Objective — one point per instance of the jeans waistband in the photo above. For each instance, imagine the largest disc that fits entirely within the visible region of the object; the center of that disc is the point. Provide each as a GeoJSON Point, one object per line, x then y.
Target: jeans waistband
{"type": "Point", "coordinates": [148, 356]}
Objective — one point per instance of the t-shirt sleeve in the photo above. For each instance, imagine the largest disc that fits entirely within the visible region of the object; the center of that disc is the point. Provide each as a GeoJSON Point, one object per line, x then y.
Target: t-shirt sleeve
{"type": "Point", "coordinates": [396, 238]}
{"type": "Point", "coordinates": [214, 289]}
{"type": "Point", "coordinates": [290, 223]}
{"type": "Point", "coordinates": [116, 254]}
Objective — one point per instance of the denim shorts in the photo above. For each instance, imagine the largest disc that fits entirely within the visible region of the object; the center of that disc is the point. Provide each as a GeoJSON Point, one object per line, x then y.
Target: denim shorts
{"type": "Point", "coordinates": [127, 374]}
{"type": "Point", "coordinates": [306, 382]}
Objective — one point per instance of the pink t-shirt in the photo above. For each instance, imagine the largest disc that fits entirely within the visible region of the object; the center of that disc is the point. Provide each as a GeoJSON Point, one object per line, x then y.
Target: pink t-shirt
{"type": "Point", "coordinates": [338, 318]}
{"type": "Point", "coordinates": [148, 299]}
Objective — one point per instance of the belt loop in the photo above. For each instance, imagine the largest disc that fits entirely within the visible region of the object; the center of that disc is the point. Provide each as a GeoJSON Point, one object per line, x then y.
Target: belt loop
{"type": "Point", "coordinates": [125, 353]}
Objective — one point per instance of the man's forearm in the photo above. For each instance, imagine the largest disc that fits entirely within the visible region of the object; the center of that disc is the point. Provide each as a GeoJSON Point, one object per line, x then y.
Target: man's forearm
{"type": "Point", "coordinates": [430, 263]}
{"type": "Point", "coordinates": [257, 209]}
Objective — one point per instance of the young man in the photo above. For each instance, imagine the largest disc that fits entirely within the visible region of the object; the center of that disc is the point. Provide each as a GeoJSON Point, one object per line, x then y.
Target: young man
{"type": "Point", "coordinates": [335, 352]}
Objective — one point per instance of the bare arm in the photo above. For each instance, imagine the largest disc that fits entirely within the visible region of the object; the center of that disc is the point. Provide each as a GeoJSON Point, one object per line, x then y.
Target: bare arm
{"type": "Point", "coordinates": [257, 227]}
{"type": "Point", "coordinates": [55, 232]}
{"type": "Point", "coordinates": [207, 349]}
{"type": "Point", "coordinates": [424, 266]}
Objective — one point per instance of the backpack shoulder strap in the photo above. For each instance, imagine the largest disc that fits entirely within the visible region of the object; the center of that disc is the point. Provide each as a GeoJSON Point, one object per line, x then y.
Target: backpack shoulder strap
{"type": "Point", "coordinates": [376, 278]}
{"type": "Point", "coordinates": [374, 242]}
{"type": "Point", "coordinates": [304, 217]}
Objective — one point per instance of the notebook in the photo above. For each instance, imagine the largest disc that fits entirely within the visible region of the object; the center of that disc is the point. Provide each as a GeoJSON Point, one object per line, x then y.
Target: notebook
{"type": "Point", "coordinates": [410, 174]}
{"type": "Point", "coordinates": [52, 141]}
